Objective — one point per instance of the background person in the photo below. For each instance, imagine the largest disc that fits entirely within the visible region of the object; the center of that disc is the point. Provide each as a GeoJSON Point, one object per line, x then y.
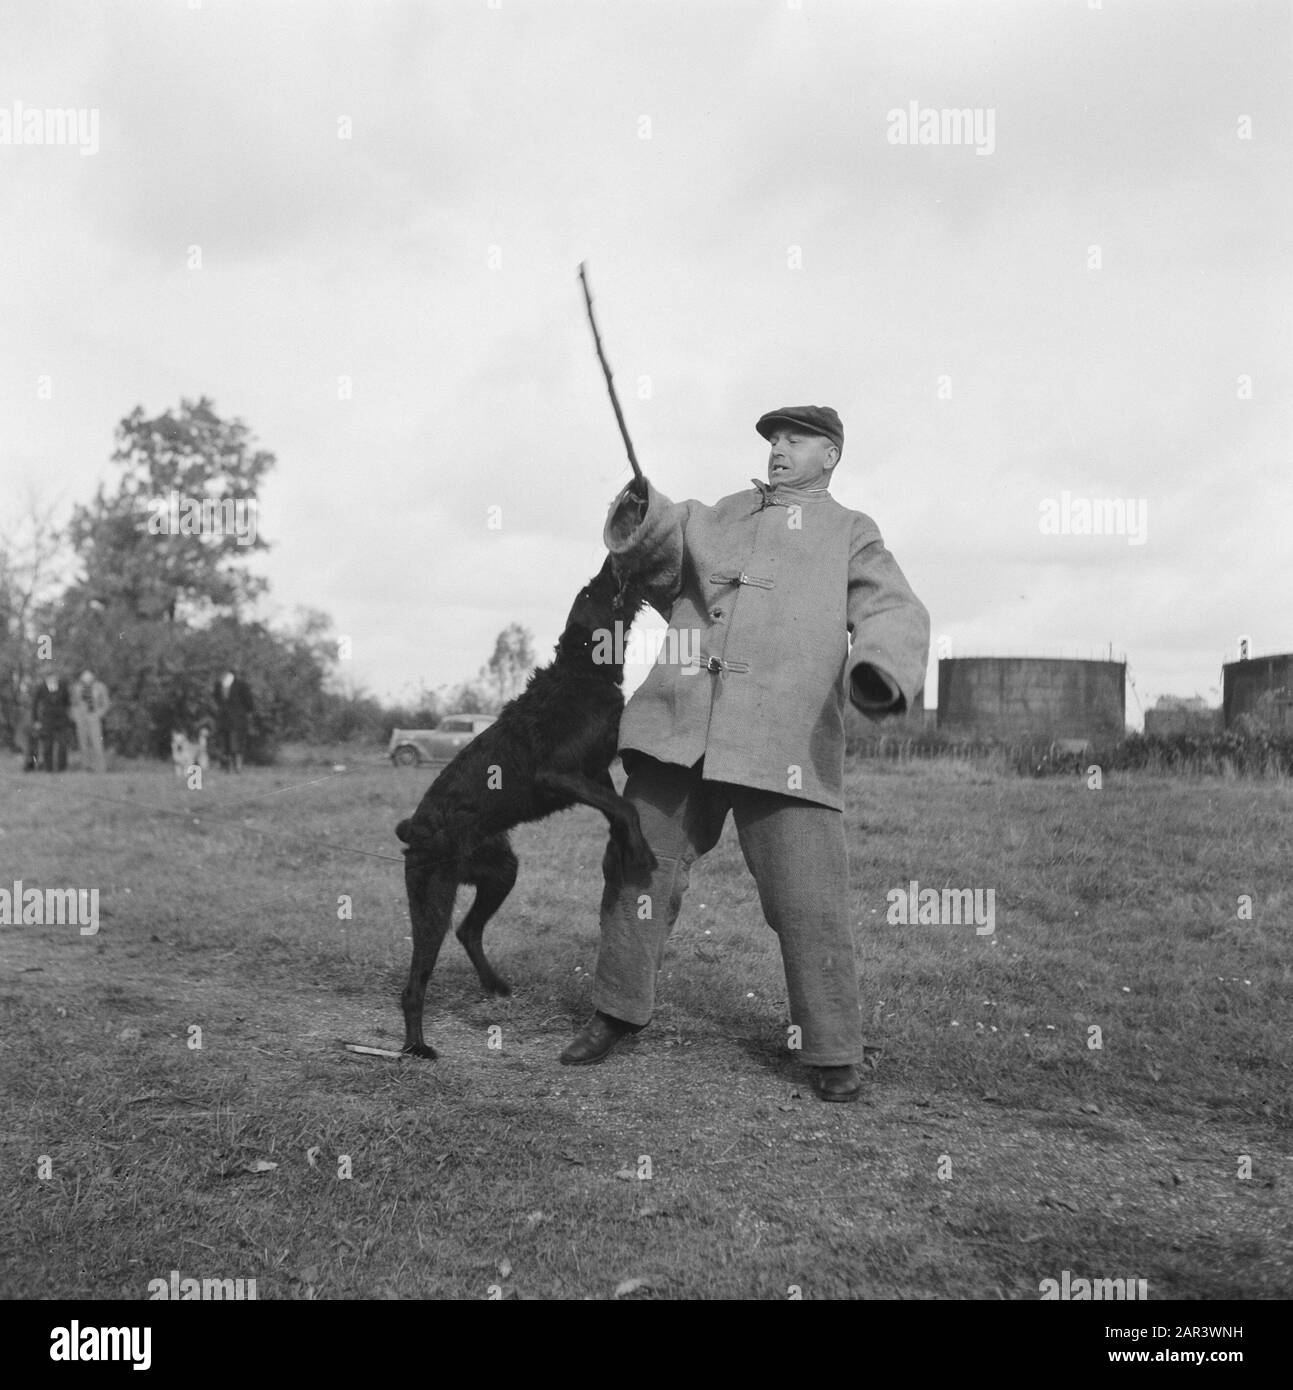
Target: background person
{"type": "Point", "coordinates": [234, 708]}
{"type": "Point", "coordinates": [51, 720]}
{"type": "Point", "coordinates": [90, 703]}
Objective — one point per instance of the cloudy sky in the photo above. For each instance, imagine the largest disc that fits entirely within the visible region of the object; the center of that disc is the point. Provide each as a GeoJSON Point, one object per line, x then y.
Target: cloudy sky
{"type": "Point", "coordinates": [1093, 299]}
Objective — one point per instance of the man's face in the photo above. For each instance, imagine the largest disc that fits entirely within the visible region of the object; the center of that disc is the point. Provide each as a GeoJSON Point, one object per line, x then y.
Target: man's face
{"type": "Point", "coordinates": [798, 459]}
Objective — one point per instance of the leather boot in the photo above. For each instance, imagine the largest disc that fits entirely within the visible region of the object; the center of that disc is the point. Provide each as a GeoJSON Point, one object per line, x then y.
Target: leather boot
{"type": "Point", "coordinates": [597, 1039]}
{"type": "Point", "coordinates": [837, 1083]}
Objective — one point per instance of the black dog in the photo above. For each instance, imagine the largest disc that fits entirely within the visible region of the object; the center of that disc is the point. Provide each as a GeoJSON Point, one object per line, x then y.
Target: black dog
{"type": "Point", "coordinates": [549, 749]}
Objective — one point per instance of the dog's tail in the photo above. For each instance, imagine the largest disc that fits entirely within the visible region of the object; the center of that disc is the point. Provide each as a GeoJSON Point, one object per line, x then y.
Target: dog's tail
{"type": "Point", "coordinates": [415, 836]}
{"type": "Point", "coordinates": [422, 839]}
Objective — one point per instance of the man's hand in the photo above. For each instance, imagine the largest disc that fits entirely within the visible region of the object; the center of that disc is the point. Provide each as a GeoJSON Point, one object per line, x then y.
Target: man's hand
{"type": "Point", "coordinates": [873, 689]}
{"type": "Point", "coordinates": [630, 508]}
{"type": "Point", "coordinates": [637, 491]}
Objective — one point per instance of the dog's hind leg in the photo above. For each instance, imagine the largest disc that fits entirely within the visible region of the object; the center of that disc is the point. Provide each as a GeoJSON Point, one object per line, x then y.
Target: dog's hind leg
{"type": "Point", "coordinates": [492, 868]}
{"type": "Point", "coordinates": [431, 892]}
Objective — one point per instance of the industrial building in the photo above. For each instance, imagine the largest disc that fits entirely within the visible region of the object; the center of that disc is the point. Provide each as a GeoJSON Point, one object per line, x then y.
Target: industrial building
{"type": "Point", "coordinates": [1261, 686]}
{"type": "Point", "coordinates": [1181, 714]}
{"type": "Point", "coordinates": [1012, 697]}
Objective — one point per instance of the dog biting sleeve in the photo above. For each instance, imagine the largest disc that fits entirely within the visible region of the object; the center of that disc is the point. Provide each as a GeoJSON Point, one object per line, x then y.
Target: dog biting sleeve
{"type": "Point", "coordinates": [646, 540]}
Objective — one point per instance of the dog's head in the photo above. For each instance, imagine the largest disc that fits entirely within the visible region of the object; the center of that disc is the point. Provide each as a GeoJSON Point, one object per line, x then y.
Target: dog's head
{"type": "Point", "coordinates": [608, 597]}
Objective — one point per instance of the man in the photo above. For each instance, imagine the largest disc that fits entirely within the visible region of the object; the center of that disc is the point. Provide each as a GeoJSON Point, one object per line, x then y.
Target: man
{"type": "Point", "coordinates": [89, 704]}
{"type": "Point", "coordinates": [51, 722]}
{"type": "Point", "coordinates": [771, 579]}
{"type": "Point", "coordinates": [24, 730]}
{"type": "Point", "coordinates": [234, 706]}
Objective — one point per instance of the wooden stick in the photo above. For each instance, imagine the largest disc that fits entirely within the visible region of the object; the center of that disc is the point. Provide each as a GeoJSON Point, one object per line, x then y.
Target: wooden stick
{"type": "Point", "coordinates": [367, 1051]}
{"type": "Point", "coordinates": [606, 368]}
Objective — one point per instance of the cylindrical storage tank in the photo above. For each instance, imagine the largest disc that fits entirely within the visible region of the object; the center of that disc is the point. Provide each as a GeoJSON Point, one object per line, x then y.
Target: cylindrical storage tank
{"type": "Point", "coordinates": [1032, 697]}
{"type": "Point", "coordinates": [1261, 686]}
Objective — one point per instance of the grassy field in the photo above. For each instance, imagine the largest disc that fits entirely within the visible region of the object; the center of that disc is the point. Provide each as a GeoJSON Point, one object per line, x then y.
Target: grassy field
{"type": "Point", "coordinates": [994, 1148]}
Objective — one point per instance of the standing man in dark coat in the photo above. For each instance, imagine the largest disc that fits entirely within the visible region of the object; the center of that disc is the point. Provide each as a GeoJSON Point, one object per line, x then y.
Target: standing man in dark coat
{"type": "Point", "coordinates": [51, 721]}
{"type": "Point", "coordinates": [749, 718]}
{"type": "Point", "coordinates": [234, 707]}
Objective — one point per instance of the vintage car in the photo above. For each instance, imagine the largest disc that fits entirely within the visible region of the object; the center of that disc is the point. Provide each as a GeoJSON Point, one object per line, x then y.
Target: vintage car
{"type": "Point", "coordinates": [411, 747]}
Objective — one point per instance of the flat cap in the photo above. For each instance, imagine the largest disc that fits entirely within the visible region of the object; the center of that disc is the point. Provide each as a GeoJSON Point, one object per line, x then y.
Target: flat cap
{"type": "Point", "coordinates": [814, 419]}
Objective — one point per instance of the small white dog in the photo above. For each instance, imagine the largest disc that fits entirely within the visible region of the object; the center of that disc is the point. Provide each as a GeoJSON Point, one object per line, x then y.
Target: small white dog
{"type": "Point", "coordinates": [185, 753]}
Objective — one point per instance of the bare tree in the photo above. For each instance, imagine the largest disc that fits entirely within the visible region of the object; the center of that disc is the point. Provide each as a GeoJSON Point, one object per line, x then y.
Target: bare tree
{"type": "Point", "coordinates": [33, 571]}
{"type": "Point", "coordinates": [512, 662]}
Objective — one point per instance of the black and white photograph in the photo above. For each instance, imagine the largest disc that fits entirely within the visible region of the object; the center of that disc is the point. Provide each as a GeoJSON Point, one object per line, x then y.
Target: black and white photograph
{"type": "Point", "coordinates": [646, 655]}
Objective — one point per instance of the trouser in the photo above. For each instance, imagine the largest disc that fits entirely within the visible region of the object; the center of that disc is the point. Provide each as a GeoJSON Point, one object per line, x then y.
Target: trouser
{"type": "Point", "coordinates": [230, 743]}
{"type": "Point", "coordinates": [89, 734]}
{"type": "Point", "coordinates": [796, 852]}
{"type": "Point", "coordinates": [52, 750]}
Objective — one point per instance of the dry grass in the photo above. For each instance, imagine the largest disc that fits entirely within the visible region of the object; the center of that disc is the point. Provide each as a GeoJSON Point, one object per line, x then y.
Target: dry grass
{"type": "Point", "coordinates": [497, 1169]}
